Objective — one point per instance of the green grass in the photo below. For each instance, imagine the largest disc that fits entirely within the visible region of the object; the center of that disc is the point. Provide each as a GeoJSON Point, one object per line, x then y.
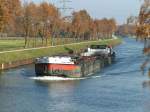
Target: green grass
{"type": "Point", "coordinates": [14, 56]}
{"type": "Point", "coordinates": [13, 44]}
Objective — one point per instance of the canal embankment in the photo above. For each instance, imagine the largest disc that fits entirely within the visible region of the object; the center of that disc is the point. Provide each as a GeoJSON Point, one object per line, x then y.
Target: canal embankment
{"type": "Point", "coordinates": [14, 58]}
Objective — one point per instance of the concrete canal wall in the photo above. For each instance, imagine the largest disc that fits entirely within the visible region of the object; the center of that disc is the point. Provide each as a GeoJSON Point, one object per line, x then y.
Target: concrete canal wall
{"type": "Point", "coordinates": [14, 64]}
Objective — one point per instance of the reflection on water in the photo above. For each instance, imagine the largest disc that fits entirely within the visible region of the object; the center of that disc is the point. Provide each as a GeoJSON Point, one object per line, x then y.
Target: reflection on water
{"type": "Point", "coordinates": [61, 94]}
{"type": "Point", "coordinates": [145, 67]}
{"type": "Point", "coordinates": [146, 84]}
{"type": "Point", "coordinates": [59, 85]}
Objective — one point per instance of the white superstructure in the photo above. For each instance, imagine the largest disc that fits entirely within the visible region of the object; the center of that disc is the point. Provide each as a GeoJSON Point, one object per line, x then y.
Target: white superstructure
{"type": "Point", "coordinates": [102, 51]}
{"type": "Point", "coordinates": [98, 50]}
{"type": "Point", "coordinates": [55, 60]}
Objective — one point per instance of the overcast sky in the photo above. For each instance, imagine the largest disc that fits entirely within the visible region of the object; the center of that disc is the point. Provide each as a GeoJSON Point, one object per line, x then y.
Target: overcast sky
{"type": "Point", "coordinates": [118, 9]}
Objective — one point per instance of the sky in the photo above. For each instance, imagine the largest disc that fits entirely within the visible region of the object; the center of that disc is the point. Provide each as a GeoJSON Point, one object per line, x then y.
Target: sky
{"type": "Point", "coordinates": [118, 9]}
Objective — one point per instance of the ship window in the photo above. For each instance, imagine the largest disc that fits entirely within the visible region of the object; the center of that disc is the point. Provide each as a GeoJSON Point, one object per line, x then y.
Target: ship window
{"type": "Point", "coordinates": [98, 46]}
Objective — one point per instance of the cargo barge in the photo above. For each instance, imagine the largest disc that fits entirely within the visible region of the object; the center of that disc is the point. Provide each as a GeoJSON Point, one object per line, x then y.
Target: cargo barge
{"type": "Point", "coordinates": [88, 63]}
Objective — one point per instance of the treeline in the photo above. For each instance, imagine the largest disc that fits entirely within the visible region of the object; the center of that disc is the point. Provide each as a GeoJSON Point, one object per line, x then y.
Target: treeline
{"type": "Point", "coordinates": [31, 20]}
{"type": "Point", "coordinates": [137, 26]}
{"type": "Point", "coordinates": [126, 30]}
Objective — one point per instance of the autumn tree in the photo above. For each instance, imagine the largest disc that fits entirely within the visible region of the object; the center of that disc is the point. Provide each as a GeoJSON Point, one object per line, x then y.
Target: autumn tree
{"type": "Point", "coordinates": [14, 11]}
{"type": "Point", "coordinates": [113, 26]}
{"type": "Point", "coordinates": [66, 30]}
{"type": "Point", "coordinates": [143, 28]}
{"type": "Point", "coordinates": [28, 20]}
{"type": "Point", "coordinates": [49, 20]}
{"type": "Point", "coordinates": [43, 20]}
{"type": "Point", "coordinates": [4, 13]}
{"type": "Point", "coordinates": [81, 24]}
{"type": "Point", "coordinates": [104, 28]}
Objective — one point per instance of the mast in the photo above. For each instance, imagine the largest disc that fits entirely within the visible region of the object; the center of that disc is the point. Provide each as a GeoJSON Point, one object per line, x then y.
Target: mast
{"type": "Point", "coordinates": [65, 9]}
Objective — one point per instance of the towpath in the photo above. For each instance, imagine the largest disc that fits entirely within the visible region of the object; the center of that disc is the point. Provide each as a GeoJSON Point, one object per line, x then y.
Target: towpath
{"type": "Point", "coordinates": [28, 49]}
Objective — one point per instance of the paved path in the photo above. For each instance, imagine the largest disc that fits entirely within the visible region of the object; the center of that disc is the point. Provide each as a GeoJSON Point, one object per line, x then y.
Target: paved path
{"type": "Point", "coordinates": [28, 49]}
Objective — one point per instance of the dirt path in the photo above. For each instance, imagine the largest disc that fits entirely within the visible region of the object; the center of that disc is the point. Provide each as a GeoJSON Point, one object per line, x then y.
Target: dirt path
{"type": "Point", "coordinates": [19, 50]}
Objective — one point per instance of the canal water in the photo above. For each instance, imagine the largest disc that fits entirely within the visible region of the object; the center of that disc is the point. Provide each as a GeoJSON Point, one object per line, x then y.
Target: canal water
{"type": "Point", "coordinates": [121, 87]}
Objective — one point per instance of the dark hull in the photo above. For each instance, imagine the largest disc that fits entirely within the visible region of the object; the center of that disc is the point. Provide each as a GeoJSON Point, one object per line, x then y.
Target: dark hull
{"type": "Point", "coordinates": [86, 66]}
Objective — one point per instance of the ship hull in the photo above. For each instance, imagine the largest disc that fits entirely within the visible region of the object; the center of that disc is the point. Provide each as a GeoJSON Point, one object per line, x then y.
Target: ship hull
{"type": "Point", "coordinates": [62, 70]}
{"type": "Point", "coordinates": [85, 67]}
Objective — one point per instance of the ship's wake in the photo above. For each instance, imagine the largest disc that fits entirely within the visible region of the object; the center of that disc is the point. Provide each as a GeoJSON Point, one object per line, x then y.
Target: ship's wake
{"type": "Point", "coordinates": [55, 78]}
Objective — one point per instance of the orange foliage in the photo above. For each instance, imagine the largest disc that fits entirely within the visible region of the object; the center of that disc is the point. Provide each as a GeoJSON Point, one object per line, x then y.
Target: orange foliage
{"type": "Point", "coordinates": [44, 20]}
{"type": "Point", "coordinates": [143, 28]}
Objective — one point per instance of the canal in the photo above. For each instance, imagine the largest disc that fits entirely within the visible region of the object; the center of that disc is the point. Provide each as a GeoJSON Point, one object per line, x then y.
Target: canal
{"type": "Point", "coordinates": [118, 88]}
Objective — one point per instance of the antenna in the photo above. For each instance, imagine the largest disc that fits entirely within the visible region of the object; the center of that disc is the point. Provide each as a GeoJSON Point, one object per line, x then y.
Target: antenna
{"type": "Point", "coordinates": [65, 8]}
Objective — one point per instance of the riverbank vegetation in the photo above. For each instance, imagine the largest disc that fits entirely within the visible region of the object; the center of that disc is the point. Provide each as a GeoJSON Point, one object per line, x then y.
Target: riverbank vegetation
{"type": "Point", "coordinates": [137, 26]}
{"type": "Point", "coordinates": [25, 24]}
{"type": "Point", "coordinates": [44, 22]}
{"type": "Point", "coordinates": [129, 28]}
{"type": "Point", "coordinates": [34, 53]}
{"type": "Point", "coordinates": [126, 30]}
{"type": "Point", "coordinates": [143, 27]}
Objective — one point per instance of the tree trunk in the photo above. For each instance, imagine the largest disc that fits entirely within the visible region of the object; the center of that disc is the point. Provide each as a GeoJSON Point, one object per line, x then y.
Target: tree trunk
{"type": "Point", "coordinates": [26, 41]}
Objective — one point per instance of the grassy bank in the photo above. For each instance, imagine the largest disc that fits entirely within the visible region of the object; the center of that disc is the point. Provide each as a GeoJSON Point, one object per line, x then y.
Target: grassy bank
{"type": "Point", "coordinates": [13, 44]}
{"type": "Point", "coordinates": [33, 53]}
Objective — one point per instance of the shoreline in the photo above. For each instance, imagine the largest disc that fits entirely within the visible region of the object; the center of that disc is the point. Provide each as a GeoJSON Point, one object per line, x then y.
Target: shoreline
{"type": "Point", "coordinates": [15, 58]}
